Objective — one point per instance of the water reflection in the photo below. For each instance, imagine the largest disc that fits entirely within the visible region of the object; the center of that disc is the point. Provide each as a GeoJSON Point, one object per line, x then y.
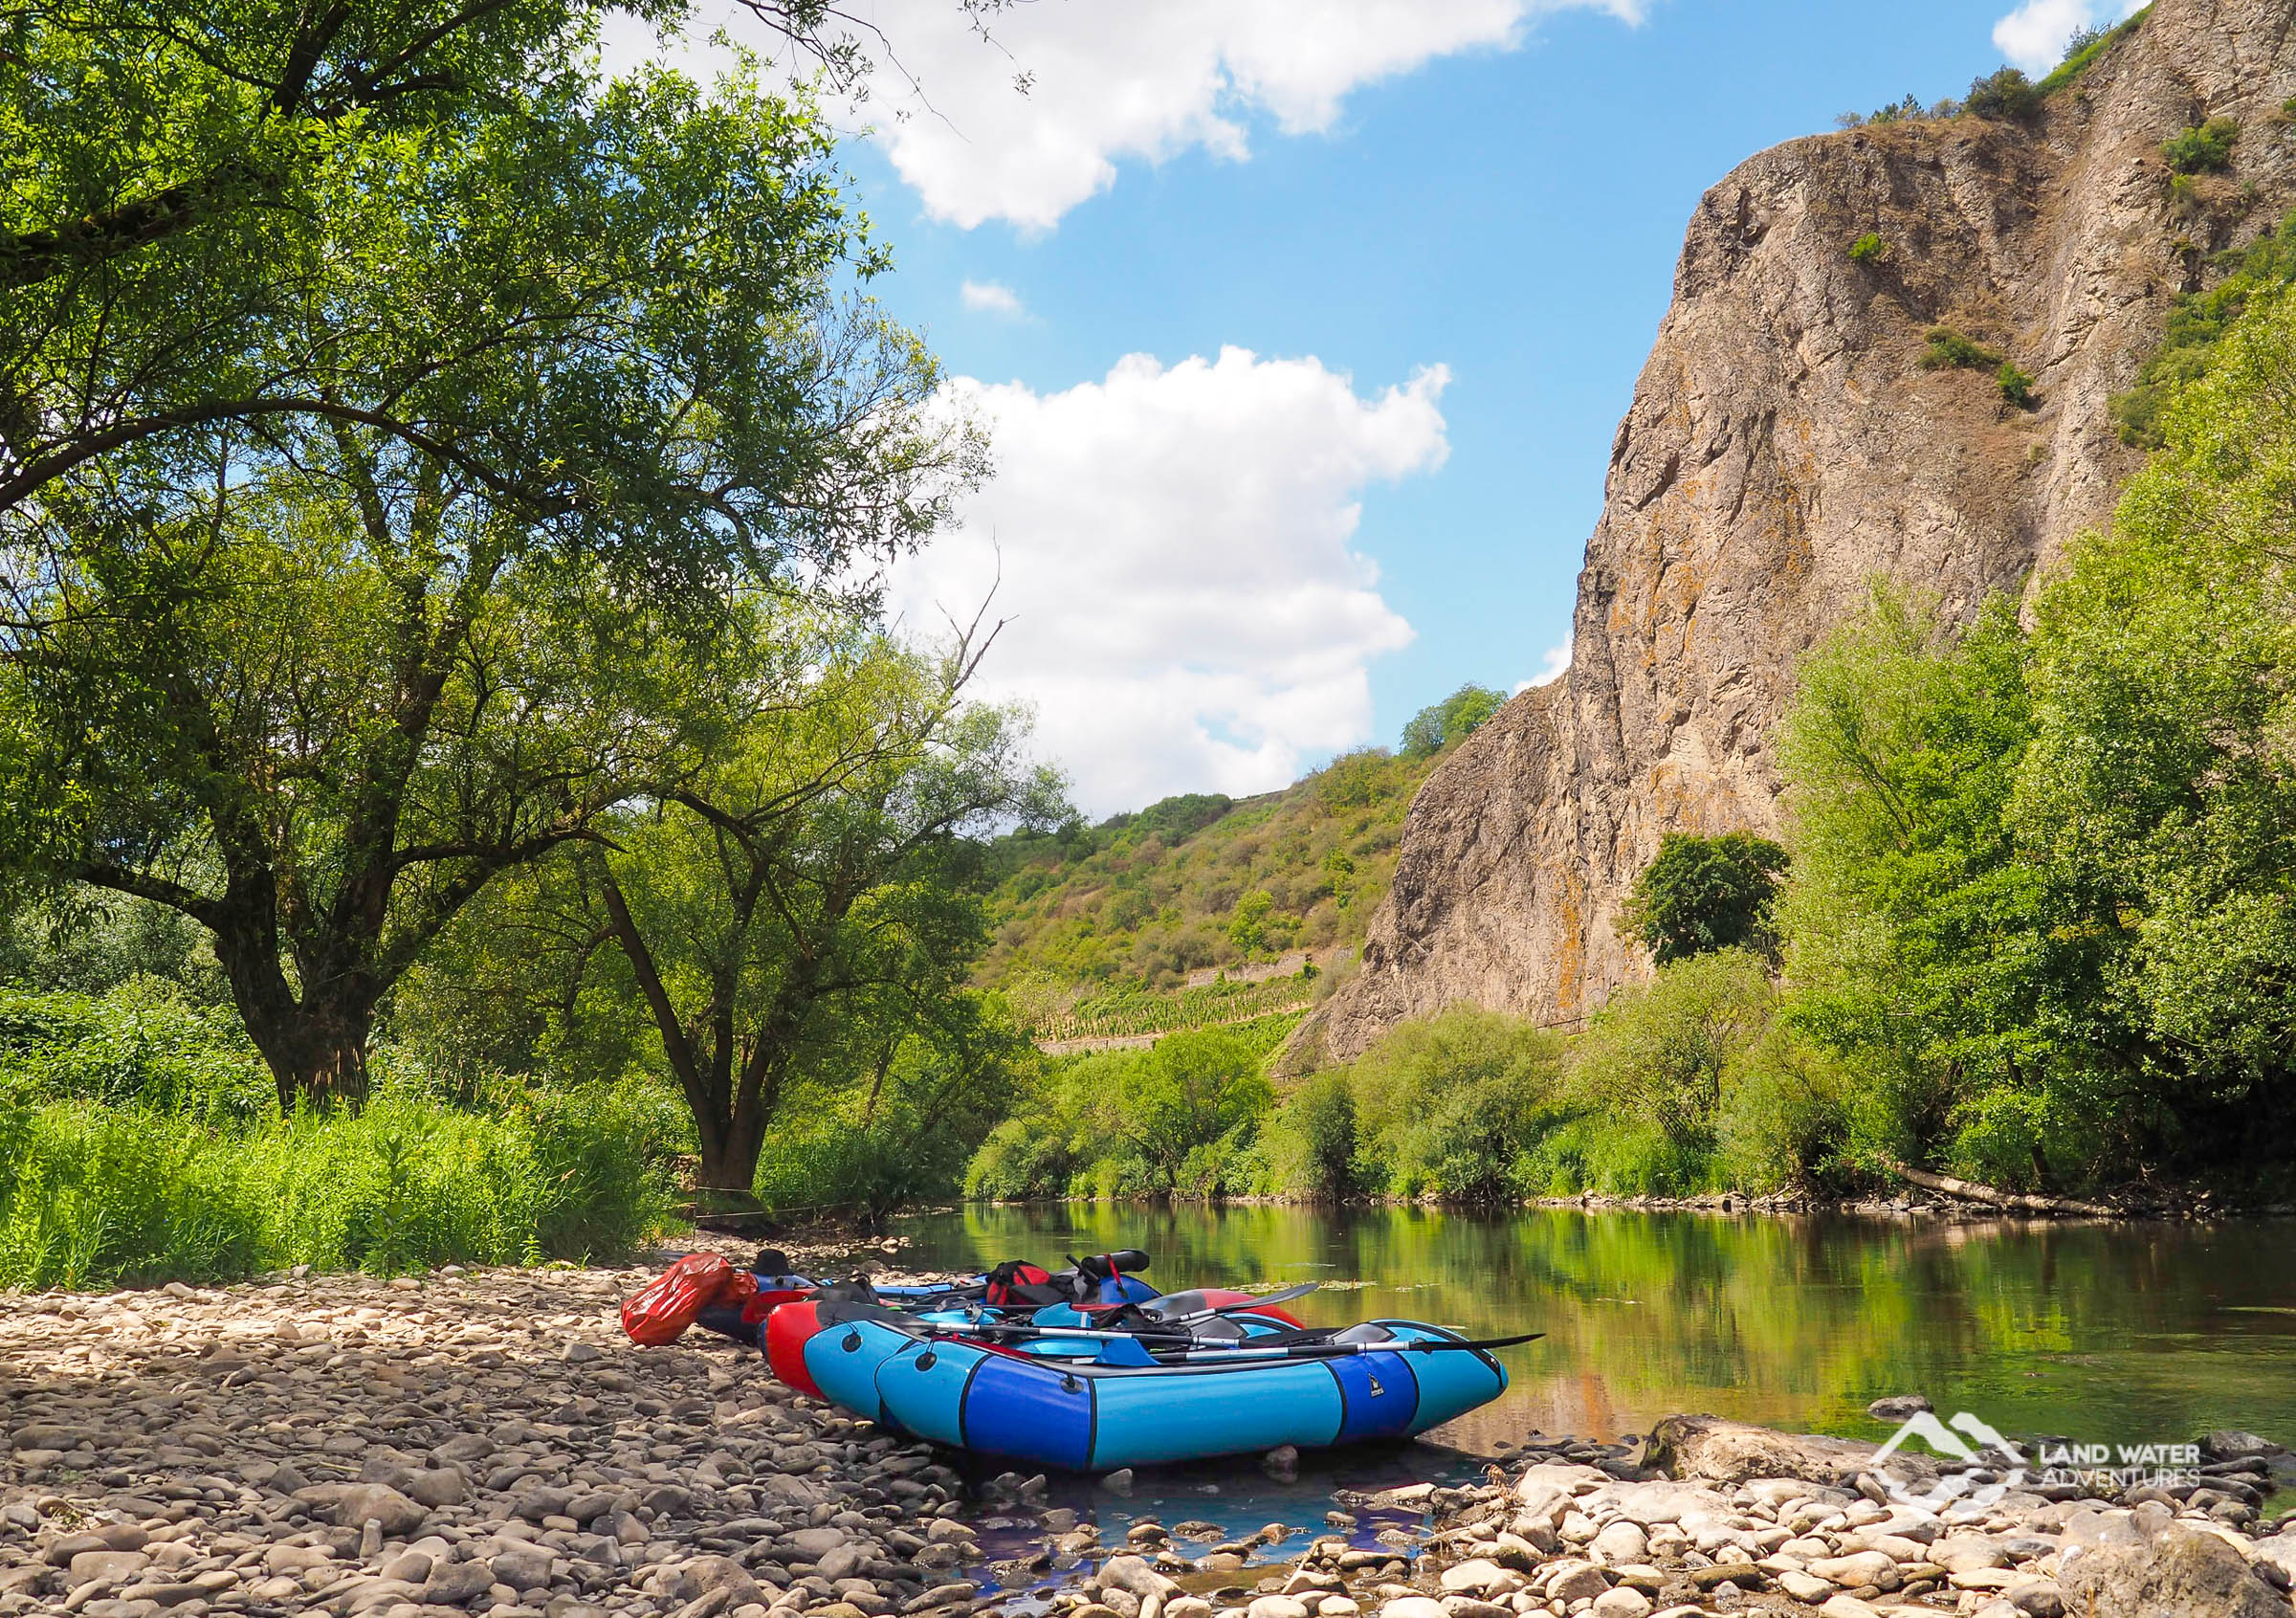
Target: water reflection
{"type": "Point", "coordinates": [2122, 1334]}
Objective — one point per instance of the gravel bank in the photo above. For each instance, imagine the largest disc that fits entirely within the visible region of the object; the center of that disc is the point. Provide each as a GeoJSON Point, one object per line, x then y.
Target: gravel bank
{"type": "Point", "coordinates": [489, 1443]}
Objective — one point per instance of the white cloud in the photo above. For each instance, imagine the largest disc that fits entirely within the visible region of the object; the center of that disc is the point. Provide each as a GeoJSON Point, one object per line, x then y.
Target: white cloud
{"type": "Point", "coordinates": [1114, 80]}
{"type": "Point", "coordinates": [1552, 665]}
{"type": "Point", "coordinates": [1172, 546]}
{"type": "Point", "coordinates": [991, 298]}
{"type": "Point", "coordinates": [2034, 35]}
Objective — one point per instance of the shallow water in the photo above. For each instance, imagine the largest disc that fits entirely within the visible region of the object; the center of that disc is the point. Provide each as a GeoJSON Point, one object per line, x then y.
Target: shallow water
{"type": "Point", "coordinates": [2122, 1334]}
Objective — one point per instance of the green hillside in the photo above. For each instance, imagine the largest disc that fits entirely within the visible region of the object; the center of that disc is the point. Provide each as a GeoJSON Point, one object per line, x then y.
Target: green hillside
{"type": "Point", "coordinates": [1099, 929]}
{"type": "Point", "coordinates": [1203, 909]}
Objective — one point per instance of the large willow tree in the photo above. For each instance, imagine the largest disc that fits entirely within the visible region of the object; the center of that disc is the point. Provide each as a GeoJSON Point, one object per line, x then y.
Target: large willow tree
{"type": "Point", "coordinates": [393, 419]}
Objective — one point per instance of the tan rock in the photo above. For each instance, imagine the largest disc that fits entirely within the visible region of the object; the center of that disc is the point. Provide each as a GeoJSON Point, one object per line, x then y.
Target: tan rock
{"type": "Point", "coordinates": [1783, 447]}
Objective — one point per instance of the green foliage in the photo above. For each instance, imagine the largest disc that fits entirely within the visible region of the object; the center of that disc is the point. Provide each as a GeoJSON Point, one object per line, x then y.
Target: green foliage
{"type": "Point", "coordinates": [1647, 1076]}
{"type": "Point", "coordinates": [1247, 929]}
{"type": "Point", "coordinates": [140, 1045]}
{"type": "Point", "coordinates": [2085, 47]}
{"type": "Point", "coordinates": [906, 1136]}
{"type": "Point", "coordinates": [2197, 321]}
{"type": "Point", "coordinates": [1868, 247]}
{"type": "Point", "coordinates": [2203, 150]}
{"type": "Point", "coordinates": [1701, 894]}
{"type": "Point", "coordinates": [99, 1196]}
{"type": "Point", "coordinates": [1949, 350]}
{"type": "Point", "coordinates": [436, 465]}
{"type": "Point", "coordinates": [1309, 1146]}
{"type": "Point", "coordinates": [2005, 95]}
{"type": "Point", "coordinates": [2040, 903]}
{"type": "Point", "coordinates": [1183, 1116]}
{"type": "Point", "coordinates": [2015, 386]}
{"type": "Point", "coordinates": [1451, 1106]}
{"type": "Point", "coordinates": [1098, 928]}
{"type": "Point", "coordinates": [1451, 722]}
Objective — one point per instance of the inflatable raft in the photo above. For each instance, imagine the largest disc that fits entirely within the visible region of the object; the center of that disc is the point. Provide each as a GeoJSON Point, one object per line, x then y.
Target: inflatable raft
{"type": "Point", "coordinates": [1088, 1404]}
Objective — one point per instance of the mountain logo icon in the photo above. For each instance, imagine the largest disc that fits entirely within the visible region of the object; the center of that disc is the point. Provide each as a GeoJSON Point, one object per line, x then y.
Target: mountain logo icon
{"type": "Point", "coordinates": [1953, 1494]}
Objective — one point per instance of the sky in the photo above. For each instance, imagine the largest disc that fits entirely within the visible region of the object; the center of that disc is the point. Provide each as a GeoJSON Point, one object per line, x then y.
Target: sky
{"type": "Point", "coordinates": [1301, 328]}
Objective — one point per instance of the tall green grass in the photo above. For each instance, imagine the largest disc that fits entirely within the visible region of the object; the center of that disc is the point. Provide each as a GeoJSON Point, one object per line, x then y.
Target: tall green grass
{"type": "Point", "coordinates": [139, 1144]}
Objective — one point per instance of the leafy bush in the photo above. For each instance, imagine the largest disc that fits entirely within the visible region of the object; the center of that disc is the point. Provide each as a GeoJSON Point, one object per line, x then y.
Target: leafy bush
{"type": "Point", "coordinates": [1867, 248]}
{"type": "Point", "coordinates": [1451, 1106]}
{"type": "Point", "coordinates": [1651, 1066]}
{"type": "Point", "coordinates": [1949, 350]}
{"type": "Point", "coordinates": [1309, 1144]}
{"type": "Point", "coordinates": [2197, 321]}
{"type": "Point", "coordinates": [2203, 150]}
{"type": "Point", "coordinates": [2004, 95]}
{"type": "Point", "coordinates": [2015, 384]}
{"type": "Point", "coordinates": [2084, 48]}
{"type": "Point", "coordinates": [1451, 722]}
{"type": "Point", "coordinates": [1700, 893]}
{"type": "Point", "coordinates": [141, 1043]}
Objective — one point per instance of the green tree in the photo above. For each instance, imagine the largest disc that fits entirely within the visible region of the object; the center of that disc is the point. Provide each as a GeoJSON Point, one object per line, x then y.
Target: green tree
{"type": "Point", "coordinates": [1701, 894]}
{"type": "Point", "coordinates": [1654, 1060]}
{"type": "Point", "coordinates": [2003, 95]}
{"type": "Point", "coordinates": [1451, 722]}
{"type": "Point", "coordinates": [1188, 1094]}
{"type": "Point", "coordinates": [805, 910]}
{"type": "Point", "coordinates": [315, 678]}
{"type": "Point", "coordinates": [1449, 1106]}
{"type": "Point", "coordinates": [1248, 926]}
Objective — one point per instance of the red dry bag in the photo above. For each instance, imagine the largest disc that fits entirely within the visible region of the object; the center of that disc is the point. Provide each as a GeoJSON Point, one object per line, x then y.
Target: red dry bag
{"type": "Point", "coordinates": [666, 1306]}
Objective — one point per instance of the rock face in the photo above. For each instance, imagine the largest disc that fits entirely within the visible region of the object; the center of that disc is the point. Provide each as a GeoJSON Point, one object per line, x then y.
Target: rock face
{"type": "Point", "coordinates": [1784, 447]}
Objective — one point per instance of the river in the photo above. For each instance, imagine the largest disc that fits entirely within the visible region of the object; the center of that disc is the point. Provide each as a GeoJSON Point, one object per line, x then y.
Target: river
{"type": "Point", "coordinates": [2117, 1334]}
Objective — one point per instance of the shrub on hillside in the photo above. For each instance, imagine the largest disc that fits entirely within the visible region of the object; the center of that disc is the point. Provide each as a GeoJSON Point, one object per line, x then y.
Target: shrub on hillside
{"type": "Point", "coordinates": [1701, 894]}
{"type": "Point", "coordinates": [1867, 248]}
{"type": "Point", "coordinates": [1949, 350]}
{"type": "Point", "coordinates": [2003, 95]}
{"type": "Point", "coordinates": [1451, 722]}
{"type": "Point", "coordinates": [2015, 386]}
{"type": "Point", "coordinates": [2204, 148]}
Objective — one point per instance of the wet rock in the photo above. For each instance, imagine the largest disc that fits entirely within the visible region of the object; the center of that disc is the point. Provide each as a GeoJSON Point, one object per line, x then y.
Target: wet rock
{"type": "Point", "coordinates": [2230, 1444]}
{"type": "Point", "coordinates": [1707, 1449]}
{"type": "Point", "coordinates": [1898, 1406]}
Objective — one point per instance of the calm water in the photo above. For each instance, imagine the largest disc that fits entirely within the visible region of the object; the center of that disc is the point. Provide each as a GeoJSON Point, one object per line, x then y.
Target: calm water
{"type": "Point", "coordinates": [2126, 1333]}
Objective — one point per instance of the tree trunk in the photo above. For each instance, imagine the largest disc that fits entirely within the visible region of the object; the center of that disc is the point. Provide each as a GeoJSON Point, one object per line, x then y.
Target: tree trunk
{"type": "Point", "coordinates": [1969, 1190]}
{"type": "Point", "coordinates": [316, 1047]}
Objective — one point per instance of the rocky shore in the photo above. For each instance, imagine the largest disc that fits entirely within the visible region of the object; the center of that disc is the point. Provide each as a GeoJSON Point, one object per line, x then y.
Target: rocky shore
{"type": "Point", "coordinates": [488, 1443]}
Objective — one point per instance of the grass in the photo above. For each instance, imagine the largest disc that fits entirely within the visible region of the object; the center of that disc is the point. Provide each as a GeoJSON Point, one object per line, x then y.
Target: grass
{"type": "Point", "coordinates": [138, 1143]}
{"type": "Point", "coordinates": [2081, 60]}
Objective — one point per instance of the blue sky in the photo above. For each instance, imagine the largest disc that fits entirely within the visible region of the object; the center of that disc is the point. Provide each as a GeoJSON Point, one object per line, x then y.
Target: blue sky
{"type": "Point", "coordinates": [1443, 232]}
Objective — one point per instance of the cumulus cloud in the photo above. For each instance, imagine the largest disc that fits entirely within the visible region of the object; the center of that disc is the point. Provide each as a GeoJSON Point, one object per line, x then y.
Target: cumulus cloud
{"type": "Point", "coordinates": [1114, 80]}
{"type": "Point", "coordinates": [1551, 667]}
{"type": "Point", "coordinates": [2034, 35]}
{"type": "Point", "coordinates": [991, 298]}
{"type": "Point", "coordinates": [1172, 548]}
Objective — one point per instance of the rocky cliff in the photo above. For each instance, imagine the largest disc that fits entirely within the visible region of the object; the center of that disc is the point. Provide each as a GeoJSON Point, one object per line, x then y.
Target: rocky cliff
{"type": "Point", "coordinates": [1785, 447]}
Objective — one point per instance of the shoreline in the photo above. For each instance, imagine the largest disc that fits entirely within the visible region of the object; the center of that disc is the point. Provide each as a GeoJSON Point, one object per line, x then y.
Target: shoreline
{"type": "Point", "coordinates": [2200, 1209]}
{"type": "Point", "coordinates": [486, 1442]}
